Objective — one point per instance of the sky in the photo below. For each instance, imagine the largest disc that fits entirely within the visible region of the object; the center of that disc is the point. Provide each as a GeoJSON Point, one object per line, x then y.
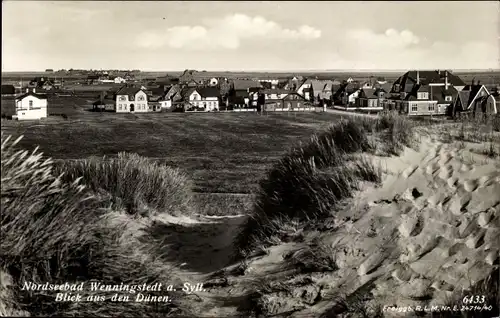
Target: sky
{"type": "Point", "coordinates": [250, 36]}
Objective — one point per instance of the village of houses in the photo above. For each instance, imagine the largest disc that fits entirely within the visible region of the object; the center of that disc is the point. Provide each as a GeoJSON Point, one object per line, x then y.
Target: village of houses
{"type": "Point", "coordinates": [414, 93]}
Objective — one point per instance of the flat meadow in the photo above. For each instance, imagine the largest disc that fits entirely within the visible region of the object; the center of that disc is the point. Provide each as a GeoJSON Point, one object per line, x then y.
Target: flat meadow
{"type": "Point", "coordinates": [222, 152]}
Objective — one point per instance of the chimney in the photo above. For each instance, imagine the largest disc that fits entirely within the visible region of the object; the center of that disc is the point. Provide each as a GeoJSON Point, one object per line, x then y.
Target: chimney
{"type": "Point", "coordinates": [446, 84]}
{"type": "Point", "coordinates": [418, 77]}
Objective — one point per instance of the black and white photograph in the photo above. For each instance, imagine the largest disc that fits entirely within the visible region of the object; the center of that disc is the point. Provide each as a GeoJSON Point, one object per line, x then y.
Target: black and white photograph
{"type": "Point", "coordinates": [303, 159]}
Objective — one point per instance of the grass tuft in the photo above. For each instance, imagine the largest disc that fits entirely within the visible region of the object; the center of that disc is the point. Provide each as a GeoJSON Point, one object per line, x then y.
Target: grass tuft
{"type": "Point", "coordinates": [135, 183]}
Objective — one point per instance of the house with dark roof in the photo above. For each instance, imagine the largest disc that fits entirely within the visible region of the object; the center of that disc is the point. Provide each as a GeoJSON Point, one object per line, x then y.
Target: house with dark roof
{"type": "Point", "coordinates": [475, 99]}
{"type": "Point", "coordinates": [31, 106]}
{"type": "Point", "coordinates": [347, 93]}
{"type": "Point", "coordinates": [8, 90]}
{"type": "Point", "coordinates": [426, 92]}
{"type": "Point", "coordinates": [131, 99]}
{"type": "Point", "coordinates": [239, 94]}
{"type": "Point", "coordinates": [305, 89]}
{"type": "Point", "coordinates": [174, 93]}
{"type": "Point", "coordinates": [204, 98]}
{"type": "Point", "coordinates": [245, 85]}
{"type": "Point", "coordinates": [370, 98]}
{"type": "Point", "coordinates": [406, 82]}
{"type": "Point", "coordinates": [292, 101]}
{"type": "Point", "coordinates": [322, 89]}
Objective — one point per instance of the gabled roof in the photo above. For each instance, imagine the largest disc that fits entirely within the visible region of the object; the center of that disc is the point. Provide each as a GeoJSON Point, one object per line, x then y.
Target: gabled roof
{"type": "Point", "coordinates": [473, 91]}
{"type": "Point", "coordinates": [208, 92]}
{"type": "Point", "coordinates": [39, 96]}
{"type": "Point", "coordinates": [409, 79]}
{"type": "Point", "coordinates": [321, 85]}
{"type": "Point", "coordinates": [129, 91]}
{"type": "Point", "coordinates": [368, 93]}
{"type": "Point", "coordinates": [187, 91]}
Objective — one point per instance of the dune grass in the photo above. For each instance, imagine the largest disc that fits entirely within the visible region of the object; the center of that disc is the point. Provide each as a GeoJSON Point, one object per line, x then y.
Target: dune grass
{"type": "Point", "coordinates": [307, 183]}
{"type": "Point", "coordinates": [55, 231]}
{"type": "Point", "coordinates": [135, 183]}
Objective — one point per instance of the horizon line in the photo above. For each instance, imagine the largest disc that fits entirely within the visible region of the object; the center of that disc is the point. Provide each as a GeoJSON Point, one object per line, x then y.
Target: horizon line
{"type": "Point", "coordinates": [270, 71]}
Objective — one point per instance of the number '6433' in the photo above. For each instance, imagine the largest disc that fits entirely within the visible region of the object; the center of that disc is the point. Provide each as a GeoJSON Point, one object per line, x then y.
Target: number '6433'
{"type": "Point", "coordinates": [474, 299]}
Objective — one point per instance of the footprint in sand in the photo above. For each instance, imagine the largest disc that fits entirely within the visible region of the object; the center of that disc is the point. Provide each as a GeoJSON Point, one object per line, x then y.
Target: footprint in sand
{"type": "Point", "coordinates": [445, 159]}
{"type": "Point", "coordinates": [446, 172]}
{"type": "Point", "coordinates": [492, 257]}
{"type": "Point", "coordinates": [431, 169]}
{"type": "Point", "coordinates": [452, 182]}
{"type": "Point", "coordinates": [486, 181]}
{"type": "Point", "coordinates": [409, 171]}
{"type": "Point", "coordinates": [442, 286]}
{"type": "Point", "coordinates": [467, 228]}
{"type": "Point", "coordinates": [466, 167]}
{"type": "Point", "coordinates": [459, 203]}
{"type": "Point", "coordinates": [457, 247]}
{"type": "Point", "coordinates": [484, 218]}
{"type": "Point", "coordinates": [407, 225]}
{"type": "Point", "coordinates": [402, 273]}
{"type": "Point", "coordinates": [476, 240]}
{"type": "Point", "coordinates": [471, 185]}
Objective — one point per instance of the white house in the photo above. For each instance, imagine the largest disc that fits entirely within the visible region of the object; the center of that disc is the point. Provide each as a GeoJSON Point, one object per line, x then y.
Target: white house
{"type": "Point", "coordinates": [205, 97]}
{"type": "Point", "coordinates": [119, 80]}
{"type": "Point", "coordinates": [165, 103]}
{"type": "Point", "coordinates": [214, 81]}
{"type": "Point", "coordinates": [131, 100]}
{"type": "Point", "coordinates": [31, 106]}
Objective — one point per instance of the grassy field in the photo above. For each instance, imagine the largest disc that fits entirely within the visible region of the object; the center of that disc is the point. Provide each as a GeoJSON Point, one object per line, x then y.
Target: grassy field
{"type": "Point", "coordinates": [222, 152]}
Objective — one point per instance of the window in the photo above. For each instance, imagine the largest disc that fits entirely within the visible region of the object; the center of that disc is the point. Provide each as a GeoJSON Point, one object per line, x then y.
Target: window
{"type": "Point", "coordinates": [432, 108]}
{"type": "Point", "coordinates": [288, 105]}
{"type": "Point", "coordinates": [122, 98]}
{"type": "Point", "coordinates": [448, 98]}
{"type": "Point", "coordinates": [119, 106]}
{"type": "Point", "coordinates": [31, 104]}
{"type": "Point", "coordinates": [414, 107]}
{"type": "Point", "coordinates": [298, 104]}
{"type": "Point", "coordinates": [140, 98]}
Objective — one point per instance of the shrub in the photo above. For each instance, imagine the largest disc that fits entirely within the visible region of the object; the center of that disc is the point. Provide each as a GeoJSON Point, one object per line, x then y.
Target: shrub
{"type": "Point", "coordinates": [134, 182]}
{"type": "Point", "coordinates": [308, 182]}
{"type": "Point", "coordinates": [55, 232]}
